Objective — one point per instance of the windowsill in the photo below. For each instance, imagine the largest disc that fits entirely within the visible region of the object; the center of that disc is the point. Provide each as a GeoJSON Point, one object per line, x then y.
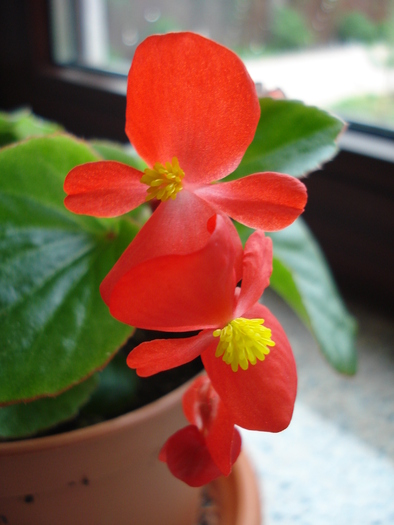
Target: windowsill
{"type": "Point", "coordinates": [368, 145]}
{"type": "Point", "coordinates": [114, 84]}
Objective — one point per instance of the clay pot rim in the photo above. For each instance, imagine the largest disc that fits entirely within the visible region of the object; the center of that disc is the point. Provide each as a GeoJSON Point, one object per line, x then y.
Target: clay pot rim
{"type": "Point", "coordinates": [132, 418]}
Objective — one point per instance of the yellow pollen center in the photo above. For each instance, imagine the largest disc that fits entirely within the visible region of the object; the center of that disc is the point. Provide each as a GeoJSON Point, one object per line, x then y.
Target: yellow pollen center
{"type": "Point", "coordinates": [243, 341]}
{"type": "Point", "coordinates": [164, 181]}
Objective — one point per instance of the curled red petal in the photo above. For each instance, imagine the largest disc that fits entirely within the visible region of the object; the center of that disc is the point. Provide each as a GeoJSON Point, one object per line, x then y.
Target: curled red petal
{"type": "Point", "coordinates": [103, 189]}
{"type": "Point", "coordinates": [203, 407]}
{"type": "Point", "coordinates": [188, 457]}
{"type": "Point", "coordinates": [200, 393]}
{"type": "Point", "coordinates": [162, 354]}
{"type": "Point", "coordinates": [177, 226]}
{"type": "Point", "coordinates": [257, 269]}
{"type": "Point", "coordinates": [261, 397]}
{"type": "Point", "coordinates": [266, 201]}
{"type": "Point", "coordinates": [191, 98]}
{"type": "Point", "coordinates": [223, 440]}
{"type": "Point", "coordinates": [180, 292]}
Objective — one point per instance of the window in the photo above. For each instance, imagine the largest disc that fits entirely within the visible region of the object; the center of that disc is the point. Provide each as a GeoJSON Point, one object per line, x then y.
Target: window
{"type": "Point", "coordinates": [337, 54]}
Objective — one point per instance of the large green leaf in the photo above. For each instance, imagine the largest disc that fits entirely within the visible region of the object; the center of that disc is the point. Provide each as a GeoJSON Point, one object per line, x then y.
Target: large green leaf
{"type": "Point", "coordinates": [303, 279]}
{"type": "Point", "coordinates": [55, 329]}
{"type": "Point", "coordinates": [21, 124]}
{"type": "Point", "coordinates": [290, 138]}
{"type": "Point", "coordinates": [26, 419]}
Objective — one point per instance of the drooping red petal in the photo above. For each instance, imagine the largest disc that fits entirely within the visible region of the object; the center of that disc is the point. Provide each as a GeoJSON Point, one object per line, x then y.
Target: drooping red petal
{"type": "Point", "coordinates": [180, 292]}
{"type": "Point", "coordinates": [177, 226]}
{"type": "Point", "coordinates": [188, 457]}
{"type": "Point", "coordinates": [223, 440]}
{"type": "Point", "coordinates": [257, 269]}
{"type": "Point", "coordinates": [261, 397]}
{"type": "Point", "coordinates": [103, 189]}
{"type": "Point", "coordinates": [163, 354]}
{"type": "Point", "coordinates": [190, 98]}
{"type": "Point", "coordinates": [203, 407]}
{"type": "Point", "coordinates": [266, 201]}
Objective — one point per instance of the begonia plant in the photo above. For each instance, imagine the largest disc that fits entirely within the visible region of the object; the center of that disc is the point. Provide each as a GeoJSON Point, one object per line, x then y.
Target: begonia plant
{"type": "Point", "coordinates": [163, 252]}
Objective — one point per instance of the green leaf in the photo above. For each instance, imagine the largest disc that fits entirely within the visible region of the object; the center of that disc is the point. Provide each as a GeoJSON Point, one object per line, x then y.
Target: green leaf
{"type": "Point", "coordinates": [282, 281]}
{"type": "Point", "coordinates": [26, 419]}
{"type": "Point", "coordinates": [303, 279]}
{"type": "Point", "coordinates": [290, 138]}
{"type": "Point", "coordinates": [122, 153]}
{"type": "Point", "coordinates": [22, 124]}
{"type": "Point", "coordinates": [55, 330]}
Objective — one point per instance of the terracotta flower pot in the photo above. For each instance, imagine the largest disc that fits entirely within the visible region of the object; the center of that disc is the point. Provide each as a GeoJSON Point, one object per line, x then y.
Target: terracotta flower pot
{"type": "Point", "coordinates": [104, 474]}
{"type": "Point", "coordinates": [109, 473]}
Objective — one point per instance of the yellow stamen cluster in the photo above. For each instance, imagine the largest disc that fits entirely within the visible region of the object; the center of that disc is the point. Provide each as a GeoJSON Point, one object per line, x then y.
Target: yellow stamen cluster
{"type": "Point", "coordinates": [243, 341]}
{"type": "Point", "coordinates": [164, 181]}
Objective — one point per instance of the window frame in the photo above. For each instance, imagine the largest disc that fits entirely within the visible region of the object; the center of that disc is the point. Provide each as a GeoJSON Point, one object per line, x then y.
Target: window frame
{"type": "Point", "coordinates": [349, 199]}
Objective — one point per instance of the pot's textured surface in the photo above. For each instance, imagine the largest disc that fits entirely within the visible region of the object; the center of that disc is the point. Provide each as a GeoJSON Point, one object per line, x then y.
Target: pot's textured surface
{"type": "Point", "coordinates": [101, 475]}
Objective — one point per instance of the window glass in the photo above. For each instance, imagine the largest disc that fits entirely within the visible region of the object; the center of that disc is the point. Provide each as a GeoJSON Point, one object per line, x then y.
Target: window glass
{"type": "Point", "coordinates": [337, 54]}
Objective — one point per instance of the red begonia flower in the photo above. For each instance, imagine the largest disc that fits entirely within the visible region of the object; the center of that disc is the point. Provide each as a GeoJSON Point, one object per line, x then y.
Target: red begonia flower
{"type": "Point", "coordinates": [210, 445]}
{"type": "Point", "coordinates": [192, 111]}
{"type": "Point", "coordinates": [256, 384]}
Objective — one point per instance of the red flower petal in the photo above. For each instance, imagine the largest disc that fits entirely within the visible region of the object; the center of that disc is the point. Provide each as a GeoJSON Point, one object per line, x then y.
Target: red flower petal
{"type": "Point", "coordinates": [257, 269]}
{"type": "Point", "coordinates": [180, 292]}
{"type": "Point", "coordinates": [162, 354]}
{"type": "Point", "coordinates": [103, 189]}
{"type": "Point", "coordinates": [176, 227]}
{"type": "Point", "coordinates": [203, 407]}
{"type": "Point", "coordinates": [190, 98]}
{"type": "Point", "coordinates": [223, 440]}
{"type": "Point", "coordinates": [224, 447]}
{"type": "Point", "coordinates": [266, 201]}
{"type": "Point", "coordinates": [188, 457]}
{"type": "Point", "coordinates": [261, 397]}
{"type": "Point", "coordinates": [200, 401]}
